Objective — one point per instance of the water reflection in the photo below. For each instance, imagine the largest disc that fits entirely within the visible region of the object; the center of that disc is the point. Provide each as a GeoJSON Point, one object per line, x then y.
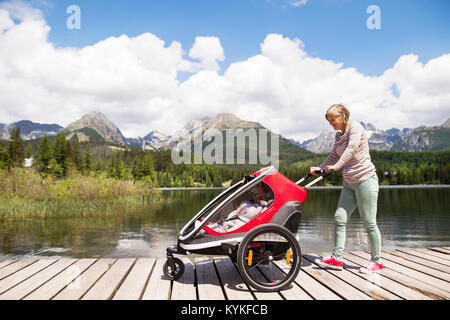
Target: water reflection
{"type": "Point", "coordinates": [406, 217]}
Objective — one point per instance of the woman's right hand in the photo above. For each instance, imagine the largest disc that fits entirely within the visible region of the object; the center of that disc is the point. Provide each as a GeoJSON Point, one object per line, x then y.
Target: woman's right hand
{"type": "Point", "coordinates": [313, 169]}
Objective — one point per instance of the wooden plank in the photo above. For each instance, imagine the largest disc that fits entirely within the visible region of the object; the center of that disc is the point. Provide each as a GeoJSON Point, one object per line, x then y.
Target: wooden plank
{"type": "Point", "coordinates": [51, 288]}
{"type": "Point", "coordinates": [332, 282]}
{"type": "Point", "coordinates": [133, 286]}
{"type": "Point", "coordinates": [233, 284]}
{"type": "Point", "coordinates": [23, 274]}
{"type": "Point", "coordinates": [363, 284]}
{"type": "Point", "coordinates": [313, 287]}
{"type": "Point", "coordinates": [4, 263]}
{"type": "Point", "coordinates": [158, 287]}
{"type": "Point", "coordinates": [107, 285]}
{"type": "Point", "coordinates": [77, 288]}
{"type": "Point", "coordinates": [293, 292]}
{"type": "Point", "coordinates": [382, 280]}
{"type": "Point", "coordinates": [442, 250]}
{"type": "Point", "coordinates": [208, 284]}
{"type": "Point", "coordinates": [416, 266]}
{"type": "Point", "coordinates": [24, 288]}
{"type": "Point", "coordinates": [429, 280]}
{"type": "Point", "coordinates": [14, 267]}
{"type": "Point", "coordinates": [256, 274]}
{"type": "Point", "coordinates": [424, 256]}
{"type": "Point", "coordinates": [184, 288]}
{"type": "Point", "coordinates": [413, 283]}
{"type": "Point", "coordinates": [422, 261]}
{"type": "Point", "coordinates": [433, 253]}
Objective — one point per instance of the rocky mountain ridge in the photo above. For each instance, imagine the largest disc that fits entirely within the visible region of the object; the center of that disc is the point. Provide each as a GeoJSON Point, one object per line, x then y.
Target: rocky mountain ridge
{"type": "Point", "coordinates": [29, 130]}
{"type": "Point", "coordinates": [97, 127]}
{"type": "Point", "coordinates": [417, 139]}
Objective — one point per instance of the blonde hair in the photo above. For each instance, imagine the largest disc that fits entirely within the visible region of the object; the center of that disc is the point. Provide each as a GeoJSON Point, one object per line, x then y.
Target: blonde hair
{"type": "Point", "coordinates": [338, 110]}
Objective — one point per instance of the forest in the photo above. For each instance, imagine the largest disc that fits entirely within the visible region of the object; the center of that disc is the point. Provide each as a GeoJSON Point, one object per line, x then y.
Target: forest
{"type": "Point", "coordinates": [57, 158]}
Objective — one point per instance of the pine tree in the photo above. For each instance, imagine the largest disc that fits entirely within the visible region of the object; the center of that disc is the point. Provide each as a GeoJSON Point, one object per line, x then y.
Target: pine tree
{"type": "Point", "coordinates": [60, 152]}
{"type": "Point", "coordinates": [98, 166]}
{"type": "Point", "coordinates": [147, 165]}
{"type": "Point", "coordinates": [116, 168]}
{"type": "Point", "coordinates": [56, 169]}
{"type": "Point", "coordinates": [136, 171]}
{"type": "Point", "coordinates": [208, 181]}
{"type": "Point", "coordinates": [43, 155]}
{"type": "Point", "coordinates": [76, 156]}
{"type": "Point", "coordinates": [5, 160]}
{"type": "Point", "coordinates": [28, 151]}
{"type": "Point", "coordinates": [15, 148]}
{"type": "Point", "coordinates": [88, 158]}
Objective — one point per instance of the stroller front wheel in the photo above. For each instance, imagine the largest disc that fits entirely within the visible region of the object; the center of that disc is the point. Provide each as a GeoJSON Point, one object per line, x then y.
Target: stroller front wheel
{"type": "Point", "coordinates": [174, 272]}
{"type": "Point", "coordinates": [269, 258]}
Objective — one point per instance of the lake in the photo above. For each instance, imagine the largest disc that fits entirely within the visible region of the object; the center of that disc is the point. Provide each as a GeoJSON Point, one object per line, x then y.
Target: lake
{"type": "Point", "coordinates": [407, 217]}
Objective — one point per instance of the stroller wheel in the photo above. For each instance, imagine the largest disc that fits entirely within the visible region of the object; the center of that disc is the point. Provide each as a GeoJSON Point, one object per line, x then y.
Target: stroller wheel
{"type": "Point", "coordinates": [269, 258]}
{"type": "Point", "coordinates": [176, 272]}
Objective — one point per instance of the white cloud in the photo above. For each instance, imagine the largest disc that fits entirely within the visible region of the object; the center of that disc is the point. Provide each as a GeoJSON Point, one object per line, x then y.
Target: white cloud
{"type": "Point", "coordinates": [206, 49]}
{"type": "Point", "coordinates": [292, 3]}
{"type": "Point", "coordinates": [134, 81]}
{"type": "Point", "coordinates": [298, 3]}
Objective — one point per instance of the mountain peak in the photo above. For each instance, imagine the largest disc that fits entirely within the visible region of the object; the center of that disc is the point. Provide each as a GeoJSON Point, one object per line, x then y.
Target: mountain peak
{"type": "Point", "coordinates": [368, 126]}
{"type": "Point", "coordinates": [446, 124]}
{"type": "Point", "coordinates": [156, 135]}
{"type": "Point", "coordinates": [224, 121]}
{"type": "Point", "coordinates": [97, 122]}
{"type": "Point", "coordinates": [95, 115]}
{"type": "Point", "coordinates": [226, 116]}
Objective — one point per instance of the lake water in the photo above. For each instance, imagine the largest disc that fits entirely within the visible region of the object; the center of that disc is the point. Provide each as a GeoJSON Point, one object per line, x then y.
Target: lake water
{"type": "Point", "coordinates": [407, 217]}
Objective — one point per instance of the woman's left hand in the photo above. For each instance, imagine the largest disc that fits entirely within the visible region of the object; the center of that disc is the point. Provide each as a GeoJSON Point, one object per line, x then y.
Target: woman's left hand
{"type": "Point", "coordinates": [328, 168]}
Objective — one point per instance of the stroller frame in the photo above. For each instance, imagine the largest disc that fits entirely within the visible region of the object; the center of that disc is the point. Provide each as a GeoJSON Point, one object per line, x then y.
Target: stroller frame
{"type": "Point", "coordinates": [283, 219]}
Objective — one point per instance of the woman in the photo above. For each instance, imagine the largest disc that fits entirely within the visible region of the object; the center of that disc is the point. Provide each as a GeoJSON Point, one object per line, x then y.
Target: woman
{"type": "Point", "coordinates": [351, 152]}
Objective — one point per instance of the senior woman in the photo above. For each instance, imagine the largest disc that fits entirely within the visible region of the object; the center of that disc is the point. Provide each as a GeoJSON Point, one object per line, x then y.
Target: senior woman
{"type": "Point", "coordinates": [351, 152]}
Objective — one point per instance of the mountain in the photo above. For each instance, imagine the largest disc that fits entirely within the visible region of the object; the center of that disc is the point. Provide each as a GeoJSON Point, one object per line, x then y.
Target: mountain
{"type": "Point", "coordinates": [418, 139]}
{"type": "Point", "coordinates": [323, 143]}
{"type": "Point", "coordinates": [446, 124]}
{"type": "Point", "coordinates": [198, 128]}
{"type": "Point", "coordinates": [29, 130]}
{"type": "Point", "coordinates": [94, 127]}
{"type": "Point", "coordinates": [426, 139]}
{"type": "Point", "coordinates": [194, 127]}
{"type": "Point", "coordinates": [155, 140]}
{"type": "Point", "coordinates": [384, 140]}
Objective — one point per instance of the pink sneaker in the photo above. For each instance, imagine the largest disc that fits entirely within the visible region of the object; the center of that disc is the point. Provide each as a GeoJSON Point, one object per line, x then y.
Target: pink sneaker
{"type": "Point", "coordinates": [330, 262]}
{"type": "Point", "coordinates": [371, 267]}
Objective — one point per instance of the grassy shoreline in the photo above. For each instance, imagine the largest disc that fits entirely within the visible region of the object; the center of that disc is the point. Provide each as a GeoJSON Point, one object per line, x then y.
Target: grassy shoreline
{"type": "Point", "coordinates": [24, 194]}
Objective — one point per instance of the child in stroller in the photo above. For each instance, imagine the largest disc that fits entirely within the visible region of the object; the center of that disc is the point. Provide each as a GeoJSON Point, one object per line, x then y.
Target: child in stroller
{"type": "Point", "coordinates": [246, 211]}
{"type": "Point", "coordinates": [237, 218]}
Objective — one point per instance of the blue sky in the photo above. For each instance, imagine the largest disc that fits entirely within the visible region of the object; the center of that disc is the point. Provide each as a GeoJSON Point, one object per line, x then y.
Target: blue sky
{"type": "Point", "coordinates": [284, 65]}
{"type": "Point", "coordinates": [330, 29]}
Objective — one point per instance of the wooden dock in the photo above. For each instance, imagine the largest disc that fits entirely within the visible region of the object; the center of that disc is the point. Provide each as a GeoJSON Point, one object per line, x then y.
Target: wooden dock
{"type": "Point", "coordinates": [409, 274]}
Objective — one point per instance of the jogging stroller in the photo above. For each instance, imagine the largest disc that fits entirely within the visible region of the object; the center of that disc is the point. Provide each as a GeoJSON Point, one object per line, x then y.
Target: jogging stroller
{"type": "Point", "coordinates": [260, 240]}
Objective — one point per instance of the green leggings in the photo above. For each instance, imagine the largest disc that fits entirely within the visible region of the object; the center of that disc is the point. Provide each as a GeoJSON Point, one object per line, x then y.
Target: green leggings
{"type": "Point", "coordinates": [364, 195]}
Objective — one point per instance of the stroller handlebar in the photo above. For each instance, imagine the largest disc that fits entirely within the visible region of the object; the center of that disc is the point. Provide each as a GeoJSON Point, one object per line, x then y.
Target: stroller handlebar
{"type": "Point", "coordinates": [323, 176]}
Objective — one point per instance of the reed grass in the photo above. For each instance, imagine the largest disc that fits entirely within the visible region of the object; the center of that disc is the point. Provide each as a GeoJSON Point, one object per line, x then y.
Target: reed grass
{"type": "Point", "coordinates": [25, 194]}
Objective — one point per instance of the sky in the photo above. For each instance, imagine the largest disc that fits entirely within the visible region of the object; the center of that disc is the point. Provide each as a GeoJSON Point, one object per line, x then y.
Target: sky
{"type": "Point", "coordinates": [154, 65]}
